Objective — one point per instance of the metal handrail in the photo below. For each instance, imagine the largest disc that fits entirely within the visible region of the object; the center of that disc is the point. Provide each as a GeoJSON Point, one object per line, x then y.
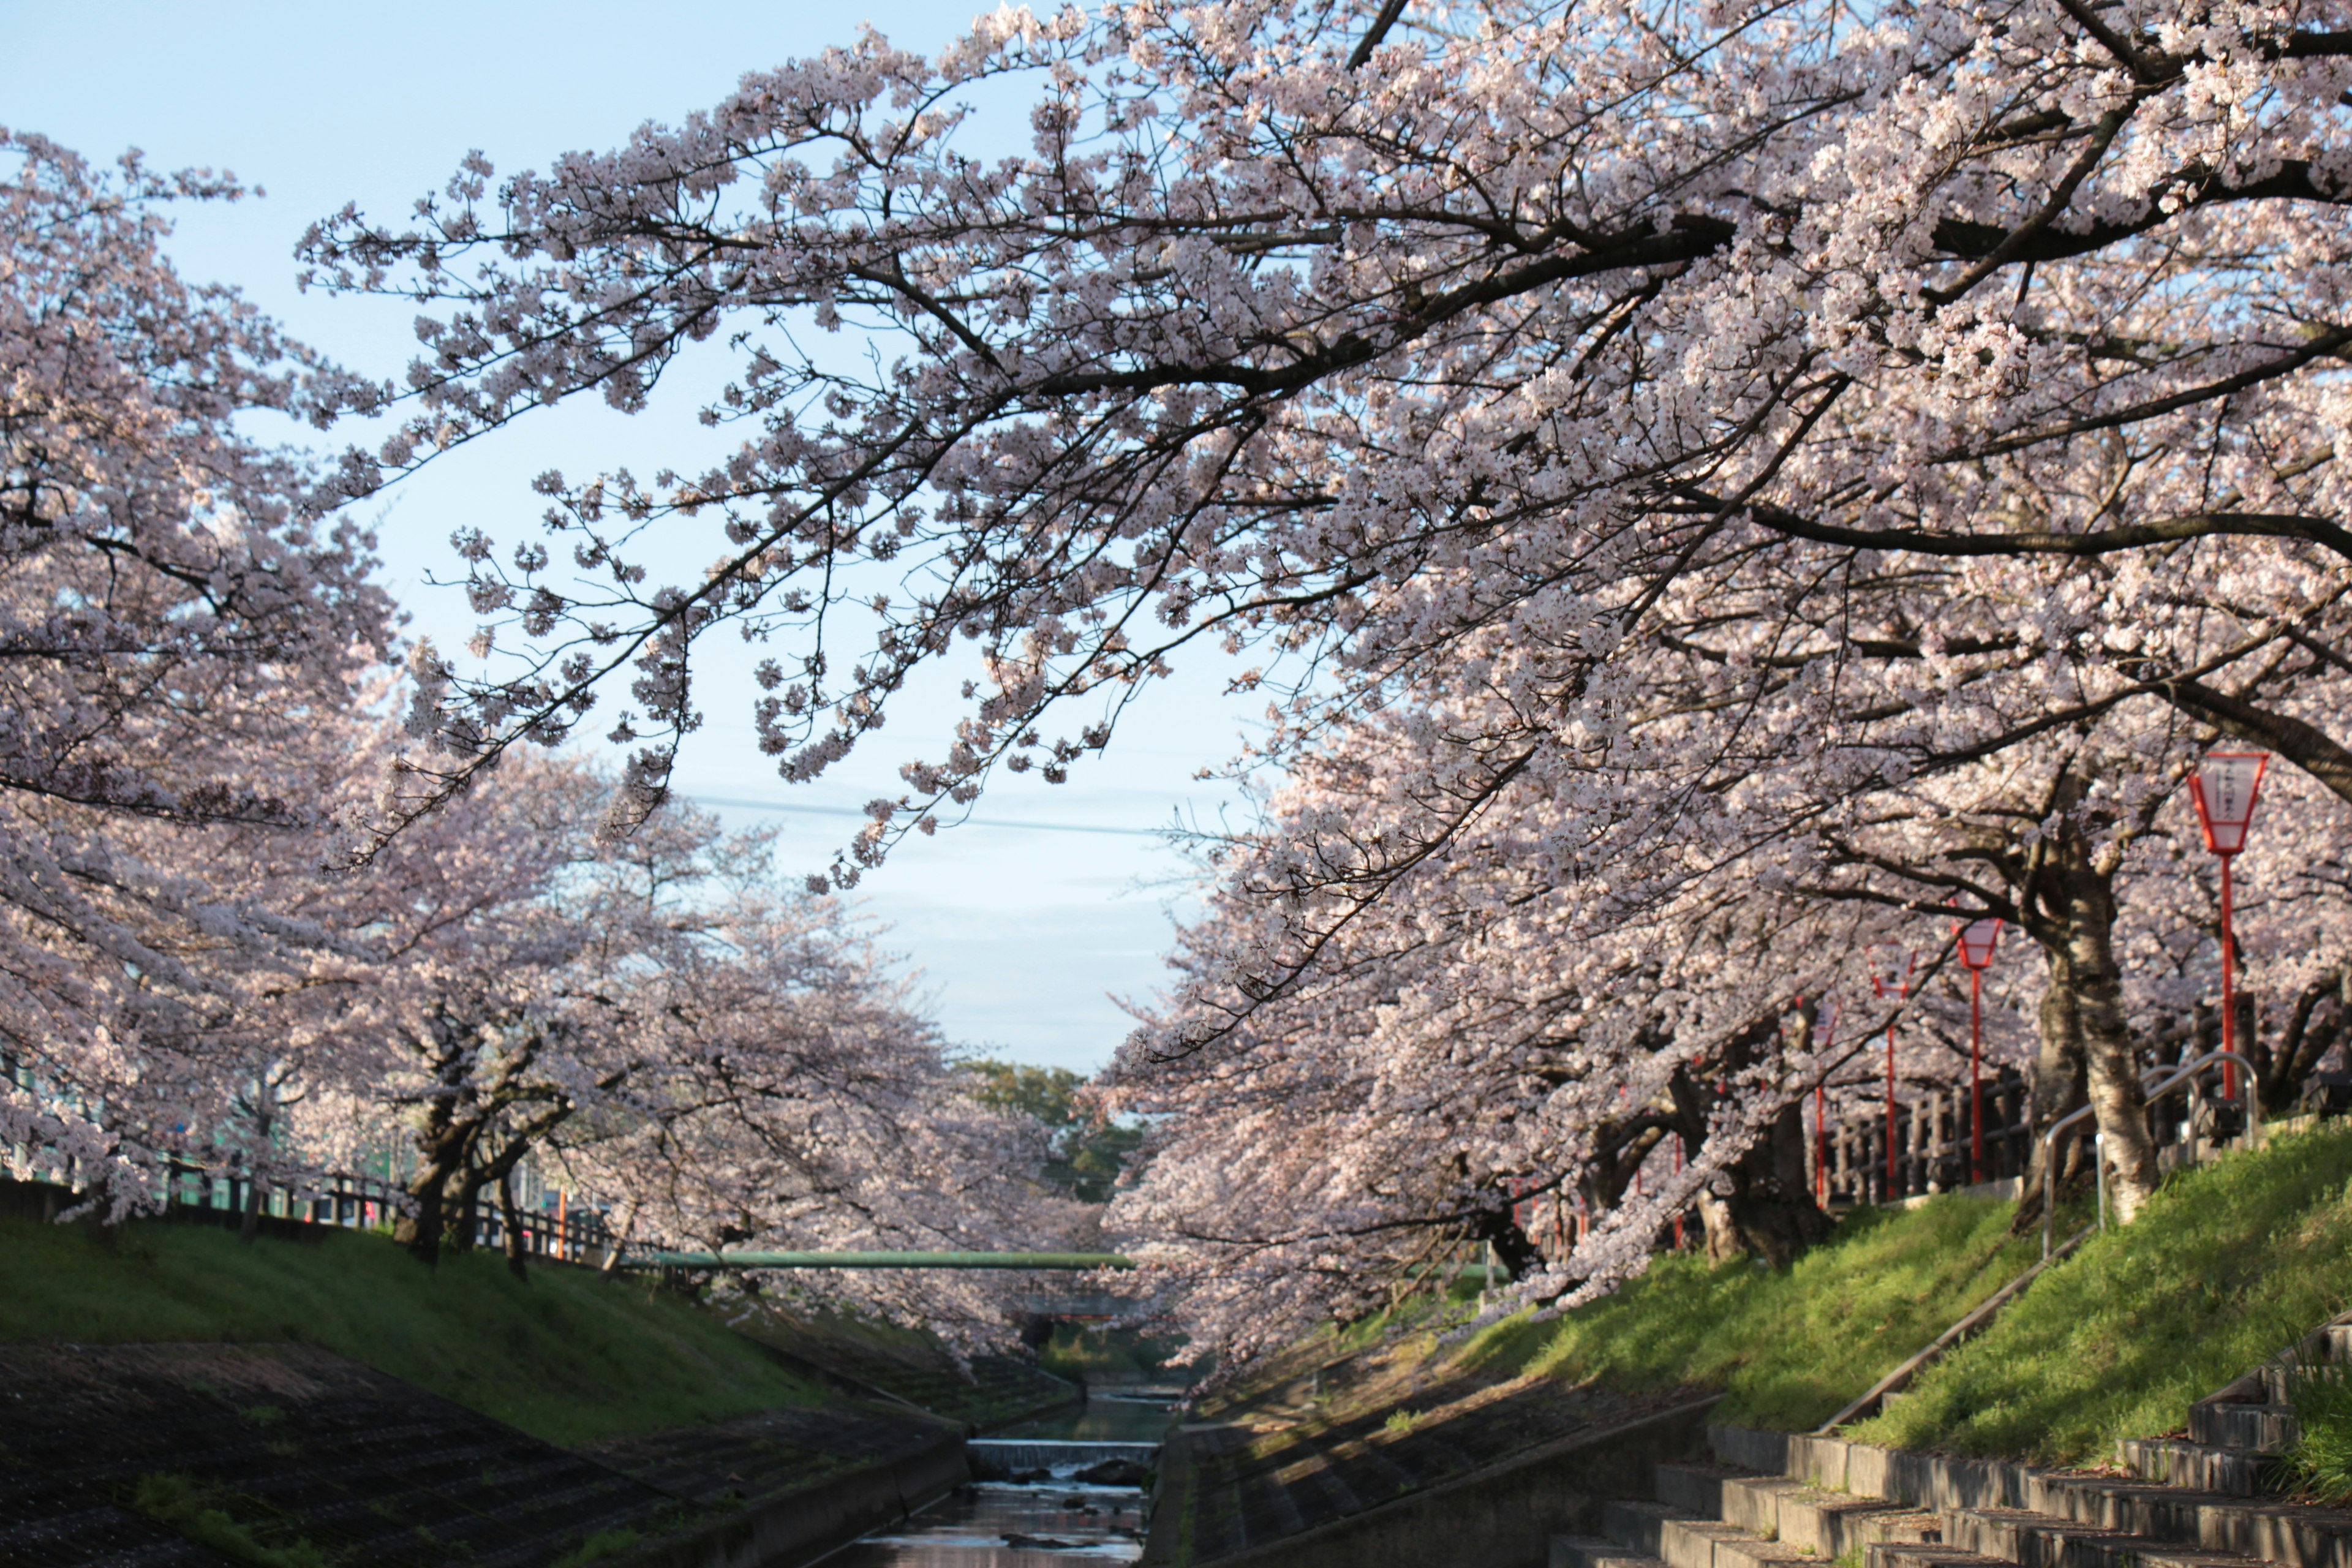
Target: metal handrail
{"type": "Point", "coordinates": [2149, 1095]}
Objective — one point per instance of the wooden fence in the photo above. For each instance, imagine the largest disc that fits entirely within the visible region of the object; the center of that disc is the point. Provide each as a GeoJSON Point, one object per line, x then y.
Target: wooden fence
{"type": "Point", "coordinates": [1934, 1143]}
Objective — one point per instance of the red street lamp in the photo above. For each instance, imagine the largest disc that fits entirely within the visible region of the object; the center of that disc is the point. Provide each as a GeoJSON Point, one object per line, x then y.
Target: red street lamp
{"type": "Point", "coordinates": [1826, 1021]}
{"type": "Point", "coordinates": [2225, 788]}
{"type": "Point", "coordinates": [1678, 1171]}
{"type": "Point", "coordinates": [1976, 939]}
{"type": "Point", "coordinates": [1900, 983]}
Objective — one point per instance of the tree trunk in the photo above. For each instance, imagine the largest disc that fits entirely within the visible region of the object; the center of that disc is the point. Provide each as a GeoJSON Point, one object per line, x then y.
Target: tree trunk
{"type": "Point", "coordinates": [1770, 1212]}
{"type": "Point", "coordinates": [2083, 1027]}
{"type": "Point", "coordinates": [249, 1226]}
{"type": "Point", "coordinates": [1617, 1157]}
{"type": "Point", "coordinates": [2312, 1031]}
{"type": "Point", "coordinates": [264, 1114]}
{"type": "Point", "coordinates": [2058, 1092]}
{"type": "Point", "coordinates": [440, 1157]}
{"type": "Point", "coordinates": [510, 1226]}
{"type": "Point", "coordinates": [1514, 1249]}
{"type": "Point", "coordinates": [468, 1218]}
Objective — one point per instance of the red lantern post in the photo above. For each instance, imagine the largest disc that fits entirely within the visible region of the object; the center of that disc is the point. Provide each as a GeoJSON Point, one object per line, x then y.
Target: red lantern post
{"type": "Point", "coordinates": [1678, 1171]}
{"type": "Point", "coordinates": [1826, 1022]}
{"type": "Point", "coordinates": [1975, 940]}
{"type": "Point", "coordinates": [1900, 983]}
{"type": "Point", "coordinates": [2225, 788]}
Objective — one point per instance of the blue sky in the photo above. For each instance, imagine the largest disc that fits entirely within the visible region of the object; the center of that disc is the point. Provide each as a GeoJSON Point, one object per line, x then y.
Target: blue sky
{"type": "Point", "coordinates": [1022, 921]}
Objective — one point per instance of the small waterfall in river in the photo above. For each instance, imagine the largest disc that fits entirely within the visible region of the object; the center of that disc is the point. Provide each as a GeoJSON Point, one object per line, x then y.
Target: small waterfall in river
{"type": "Point", "coordinates": [1031, 1510]}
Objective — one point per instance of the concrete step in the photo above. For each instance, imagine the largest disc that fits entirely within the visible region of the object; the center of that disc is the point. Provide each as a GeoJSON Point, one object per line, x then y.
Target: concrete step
{"type": "Point", "coordinates": [2039, 1541]}
{"type": "Point", "coordinates": [1925, 1554]}
{"type": "Point", "coordinates": [1592, 1552]}
{"type": "Point", "coordinates": [2183, 1522]}
{"type": "Point", "coordinates": [1682, 1540]}
{"type": "Point", "coordinates": [1776, 1508]}
{"type": "Point", "coordinates": [2199, 1466]}
{"type": "Point", "coordinates": [2212, 1521]}
{"type": "Point", "coordinates": [2279, 1378]}
{"type": "Point", "coordinates": [1639, 1526]}
{"type": "Point", "coordinates": [1757, 1504]}
{"type": "Point", "coordinates": [1697, 1488]}
{"type": "Point", "coordinates": [2255, 1428]}
{"type": "Point", "coordinates": [1834, 1524]}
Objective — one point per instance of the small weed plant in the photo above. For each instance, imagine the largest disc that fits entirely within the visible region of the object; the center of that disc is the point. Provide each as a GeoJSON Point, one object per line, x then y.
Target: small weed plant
{"type": "Point", "coordinates": [1401, 1421]}
{"type": "Point", "coordinates": [605, 1543]}
{"type": "Point", "coordinates": [2320, 1463]}
{"type": "Point", "coordinates": [178, 1503]}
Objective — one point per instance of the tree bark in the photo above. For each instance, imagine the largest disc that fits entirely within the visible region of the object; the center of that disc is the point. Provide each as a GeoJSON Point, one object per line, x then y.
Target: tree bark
{"type": "Point", "coordinates": [1618, 1151]}
{"type": "Point", "coordinates": [2312, 1030]}
{"type": "Point", "coordinates": [510, 1226]}
{"type": "Point", "coordinates": [468, 1218]}
{"type": "Point", "coordinates": [249, 1226]}
{"type": "Point", "coordinates": [2072, 915]}
{"type": "Point", "coordinates": [441, 1149]}
{"type": "Point", "coordinates": [1770, 1212]}
{"type": "Point", "coordinates": [2059, 1090]}
{"type": "Point", "coordinates": [420, 1230]}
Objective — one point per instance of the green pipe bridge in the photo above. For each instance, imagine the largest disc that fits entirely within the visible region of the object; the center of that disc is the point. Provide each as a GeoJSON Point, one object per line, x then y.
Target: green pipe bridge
{"type": "Point", "coordinates": [1063, 1261]}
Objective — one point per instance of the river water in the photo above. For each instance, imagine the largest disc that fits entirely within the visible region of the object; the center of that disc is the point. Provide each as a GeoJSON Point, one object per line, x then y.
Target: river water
{"type": "Point", "coordinates": [1058, 1522]}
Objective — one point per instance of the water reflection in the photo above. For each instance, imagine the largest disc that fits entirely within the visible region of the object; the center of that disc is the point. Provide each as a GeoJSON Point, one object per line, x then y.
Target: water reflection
{"type": "Point", "coordinates": [999, 1525]}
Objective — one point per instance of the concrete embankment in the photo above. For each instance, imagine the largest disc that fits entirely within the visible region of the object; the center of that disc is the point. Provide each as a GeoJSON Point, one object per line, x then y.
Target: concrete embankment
{"type": "Point", "coordinates": [788, 1529]}
{"type": "Point", "coordinates": [1221, 1502]}
{"type": "Point", "coordinates": [175, 1453]}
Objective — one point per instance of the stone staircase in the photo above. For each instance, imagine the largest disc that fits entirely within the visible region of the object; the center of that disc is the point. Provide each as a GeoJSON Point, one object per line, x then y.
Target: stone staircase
{"type": "Point", "coordinates": [2236, 1436]}
{"type": "Point", "coordinates": [1777, 1499]}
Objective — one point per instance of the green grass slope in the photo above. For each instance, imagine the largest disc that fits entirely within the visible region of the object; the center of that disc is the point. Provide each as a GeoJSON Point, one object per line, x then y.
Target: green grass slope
{"type": "Point", "coordinates": [567, 1356]}
{"type": "Point", "coordinates": [1789, 1347]}
{"type": "Point", "coordinates": [2231, 1262]}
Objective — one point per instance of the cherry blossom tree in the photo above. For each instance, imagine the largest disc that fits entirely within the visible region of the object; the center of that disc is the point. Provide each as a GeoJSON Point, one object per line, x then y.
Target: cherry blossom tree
{"type": "Point", "coordinates": [721, 1064]}
{"type": "Point", "coordinates": [192, 968]}
{"type": "Point", "coordinates": [1254, 343]}
{"type": "Point", "coordinates": [181, 612]}
{"type": "Point", "coordinates": [1701, 485]}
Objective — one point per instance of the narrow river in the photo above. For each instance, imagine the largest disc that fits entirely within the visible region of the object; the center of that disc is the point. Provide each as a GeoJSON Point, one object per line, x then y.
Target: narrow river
{"type": "Point", "coordinates": [1043, 1516]}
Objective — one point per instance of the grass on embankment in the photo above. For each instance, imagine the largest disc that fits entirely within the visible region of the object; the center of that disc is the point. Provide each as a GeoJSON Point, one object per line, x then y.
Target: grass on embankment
{"type": "Point", "coordinates": [1789, 1347]}
{"type": "Point", "coordinates": [2229, 1264]}
{"type": "Point", "coordinates": [568, 1357]}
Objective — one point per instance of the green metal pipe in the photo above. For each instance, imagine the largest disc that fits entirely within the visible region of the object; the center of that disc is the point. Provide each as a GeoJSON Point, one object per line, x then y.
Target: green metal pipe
{"type": "Point", "coordinates": [1059, 1260]}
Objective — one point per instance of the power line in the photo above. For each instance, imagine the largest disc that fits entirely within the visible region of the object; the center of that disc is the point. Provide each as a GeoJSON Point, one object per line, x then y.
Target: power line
{"type": "Point", "coordinates": [961, 821]}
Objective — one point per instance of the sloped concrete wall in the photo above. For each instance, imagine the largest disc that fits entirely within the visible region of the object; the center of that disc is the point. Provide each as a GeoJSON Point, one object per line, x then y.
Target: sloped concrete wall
{"type": "Point", "coordinates": [798, 1527]}
{"type": "Point", "coordinates": [1500, 1517]}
